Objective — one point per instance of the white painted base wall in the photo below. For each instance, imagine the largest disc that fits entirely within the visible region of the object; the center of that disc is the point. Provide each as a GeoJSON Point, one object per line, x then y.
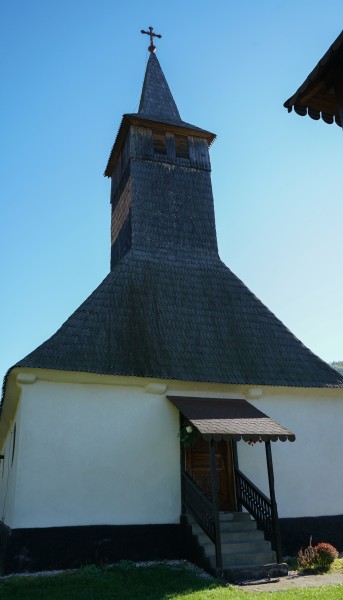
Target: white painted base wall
{"type": "Point", "coordinates": [92, 454]}
{"type": "Point", "coordinates": [109, 453]}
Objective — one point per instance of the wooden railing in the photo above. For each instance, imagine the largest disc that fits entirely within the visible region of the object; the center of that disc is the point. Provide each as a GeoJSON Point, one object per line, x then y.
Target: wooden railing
{"type": "Point", "coordinates": [204, 512]}
{"type": "Point", "coordinates": [199, 505]}
{"type": "Point", "coordinates": [256, 503]}
{"type": "Point", "coordinates": [261, 508]}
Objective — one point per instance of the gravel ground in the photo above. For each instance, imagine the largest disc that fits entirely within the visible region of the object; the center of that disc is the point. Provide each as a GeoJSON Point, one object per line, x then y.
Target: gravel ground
{"type": "Point", "coordinates": [294, 580]}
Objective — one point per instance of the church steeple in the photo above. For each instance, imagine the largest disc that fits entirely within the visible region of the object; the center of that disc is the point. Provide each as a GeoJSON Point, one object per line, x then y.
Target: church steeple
{"type": "Point", "coordinates": [161, 196]}
{"type": "Point", "coordinates": [157, 101]}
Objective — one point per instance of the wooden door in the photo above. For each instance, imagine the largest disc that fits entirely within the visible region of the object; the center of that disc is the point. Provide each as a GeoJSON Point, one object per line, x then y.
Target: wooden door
{"type": "Point", "coordinates": [198, 466]}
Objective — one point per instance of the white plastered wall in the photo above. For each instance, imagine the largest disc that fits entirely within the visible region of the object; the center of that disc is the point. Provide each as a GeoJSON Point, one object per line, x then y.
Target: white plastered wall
{"type": "Point", "coordinates": [8, 471]}
{"type": "Point", "coordinates": [96, 454]}
{"type": "Point", "coordinates": [106, 451]}
{"type": "Point", "coordinates": [307, 472]}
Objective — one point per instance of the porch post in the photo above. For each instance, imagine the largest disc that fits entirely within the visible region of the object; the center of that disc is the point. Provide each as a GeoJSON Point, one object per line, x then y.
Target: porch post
{"type": "Point", "coordinates": [214, 489]}
{"type": "Point", "coordinates": [182, 470]}
{"type": "Point", "coordinates": [275, 519]}
{"type": "Point", "coordinates": [236, 468]}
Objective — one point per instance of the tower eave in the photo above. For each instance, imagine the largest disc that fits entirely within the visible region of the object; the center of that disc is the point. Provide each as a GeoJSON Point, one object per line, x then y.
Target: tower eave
{"type": "Point", "coordinates": [172, 126]}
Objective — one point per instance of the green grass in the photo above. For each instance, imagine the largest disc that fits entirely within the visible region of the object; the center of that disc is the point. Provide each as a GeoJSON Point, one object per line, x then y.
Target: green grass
{"type": "Point", "coordinates": [155, 583]}
{"type": "Point", "coordinates": [337, 566]}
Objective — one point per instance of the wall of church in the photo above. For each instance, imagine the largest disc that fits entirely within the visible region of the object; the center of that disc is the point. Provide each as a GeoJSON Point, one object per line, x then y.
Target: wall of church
{"type": "Point", "coordinates": [8, 471]}
{"type": "Point", "coordinates": [307, 471]}
{"type": "Point", "coordinates": [96, 454]}
{"type": "Point", "coordinates": [111, 453]}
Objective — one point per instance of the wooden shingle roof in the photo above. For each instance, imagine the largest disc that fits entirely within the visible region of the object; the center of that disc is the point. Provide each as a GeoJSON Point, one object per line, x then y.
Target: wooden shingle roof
{"type": "Point", "coordinates": [156, 100]}
{"type": "Point", "coordinates": [187, 320]}
{"type": "Point", "coordinates": [317, 97]}
{"type": "Point", "coordinates": [170, 308]}
{"type": "Point", "coordinates": [157, 107]}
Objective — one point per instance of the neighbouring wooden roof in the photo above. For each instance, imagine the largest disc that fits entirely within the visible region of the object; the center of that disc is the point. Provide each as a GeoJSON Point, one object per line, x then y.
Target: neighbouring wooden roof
{"type": "Point", "coordinates": [227, 419]}
{"type": "Point", "coordinates": [316, 96]}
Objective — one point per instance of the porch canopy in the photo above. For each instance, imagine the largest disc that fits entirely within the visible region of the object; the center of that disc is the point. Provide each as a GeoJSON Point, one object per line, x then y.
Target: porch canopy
{"type": "Point", "coordinates": [227, 419]}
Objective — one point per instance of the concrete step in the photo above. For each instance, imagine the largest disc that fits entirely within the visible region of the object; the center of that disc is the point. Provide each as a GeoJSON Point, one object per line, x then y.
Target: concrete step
{"type": "Point", "coordinates": [229, 537]}
{"type": "Point", "coordinates": [245, 552]}
{"type": "Point", "coordinates": [234, 516]}
{"type": "Point", "coordinates": [238, 547]}
{"type": "Point", "coordinates": [249, 572]}
{"type": "Point", "coordinates": [244, 558]}
{"type": "Point", "coordinates": [228, 527]}
{"type": "Point", "coordinates": [236, 536]}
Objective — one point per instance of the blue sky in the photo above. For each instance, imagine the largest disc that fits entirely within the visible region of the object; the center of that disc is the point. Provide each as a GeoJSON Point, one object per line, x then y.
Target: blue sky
{"type": "Point", "coordinates": [69, 70]}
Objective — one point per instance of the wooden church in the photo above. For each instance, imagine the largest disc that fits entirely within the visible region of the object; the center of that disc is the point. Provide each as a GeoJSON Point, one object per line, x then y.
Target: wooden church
{"type": "Point", "coordinates": [142, 428]}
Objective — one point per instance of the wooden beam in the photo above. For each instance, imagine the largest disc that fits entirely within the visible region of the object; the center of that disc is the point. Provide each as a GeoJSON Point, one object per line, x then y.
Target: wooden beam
{"type": "Point", "coordinates": [214, 489]}
{"type": "Point", "coordinates": [236, 468]}
{"type": "Point", "coordinates": [275, 518]}
{"type": "Point", "coordinates": [182, 469]}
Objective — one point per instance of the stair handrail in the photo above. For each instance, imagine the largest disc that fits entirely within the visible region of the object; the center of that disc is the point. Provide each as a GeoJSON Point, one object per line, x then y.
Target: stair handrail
{"type": "Point", "coordinates": [199, 505]}
{"type": "Point", "coordinates": [256, 502]}
{"type": "Point", "coordinates": [205, 512]}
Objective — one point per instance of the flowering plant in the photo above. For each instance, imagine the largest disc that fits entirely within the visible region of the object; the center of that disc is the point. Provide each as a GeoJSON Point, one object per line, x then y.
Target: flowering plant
{"type": "Point", "coordinates": [307, 558]}
{"type": "Point", "coordinates": [317, 557]}
{"type": "Point", "coordinates": [188, 433]}
{"type": "Point", "coordinates": [253, 442]}
{"type": "Point", "coordinates": [326, 554]}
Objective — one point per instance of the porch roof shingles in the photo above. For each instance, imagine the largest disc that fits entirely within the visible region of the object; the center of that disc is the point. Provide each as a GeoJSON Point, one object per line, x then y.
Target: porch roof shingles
{"type": "Point", "coordinates": [230, 419]}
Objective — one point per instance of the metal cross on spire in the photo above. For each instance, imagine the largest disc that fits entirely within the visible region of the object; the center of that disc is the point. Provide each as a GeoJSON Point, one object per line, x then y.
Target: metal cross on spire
{"type": "Point", "coordinates": [151, 48]}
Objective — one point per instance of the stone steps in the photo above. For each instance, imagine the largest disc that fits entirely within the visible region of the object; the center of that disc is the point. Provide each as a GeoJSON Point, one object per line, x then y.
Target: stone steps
{"type": "Point", "coordinates": [231, 536]}
{"type": "Point", "coordinates": [245, 552]}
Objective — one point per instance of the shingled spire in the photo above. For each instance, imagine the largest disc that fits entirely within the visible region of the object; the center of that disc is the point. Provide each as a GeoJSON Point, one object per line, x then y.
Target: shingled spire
{"type": "Point", "coordinates": [157, 101]}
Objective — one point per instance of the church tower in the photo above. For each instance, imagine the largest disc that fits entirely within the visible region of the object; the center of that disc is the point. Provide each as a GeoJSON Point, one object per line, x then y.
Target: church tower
{"type": "Point", "coordinates": [161, 194]}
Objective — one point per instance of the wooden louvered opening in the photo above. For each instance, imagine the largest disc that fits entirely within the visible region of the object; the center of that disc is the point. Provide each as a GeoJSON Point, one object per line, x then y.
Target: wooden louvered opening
{"type": "Point", "coordinates": [159, 141]}
{"type": "Point", "coordinates": [181, 146]}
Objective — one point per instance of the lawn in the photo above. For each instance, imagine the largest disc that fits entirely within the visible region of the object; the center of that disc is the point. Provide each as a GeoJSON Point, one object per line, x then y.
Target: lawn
{"type": "Point", "coordinates": [126, 582]}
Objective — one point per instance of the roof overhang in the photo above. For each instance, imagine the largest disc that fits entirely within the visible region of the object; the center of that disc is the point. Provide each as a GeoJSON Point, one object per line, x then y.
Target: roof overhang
{"type": "Point", "coordinates": [320, 96]}
{"type": "Point", "coordinates": [227, 419]}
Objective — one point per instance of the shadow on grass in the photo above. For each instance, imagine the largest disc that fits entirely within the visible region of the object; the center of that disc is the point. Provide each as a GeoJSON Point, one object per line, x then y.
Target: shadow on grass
{"type": "Point", "coordinates": [118, 582]}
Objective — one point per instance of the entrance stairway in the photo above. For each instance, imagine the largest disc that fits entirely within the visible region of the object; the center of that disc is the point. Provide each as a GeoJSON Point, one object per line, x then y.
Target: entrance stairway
{"type": "Point", "coordinates": [245, 552]}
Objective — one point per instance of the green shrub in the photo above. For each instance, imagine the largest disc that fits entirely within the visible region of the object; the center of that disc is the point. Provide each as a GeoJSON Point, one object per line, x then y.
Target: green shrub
{"type": "Point", "coordinates": [90, 570]}
{"type": "Point", "coordinates": [125, 565]}
{"type": "Point", "coordinates": [326, 554]}
{"type": "Point", "coordinates": [318, 557]}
